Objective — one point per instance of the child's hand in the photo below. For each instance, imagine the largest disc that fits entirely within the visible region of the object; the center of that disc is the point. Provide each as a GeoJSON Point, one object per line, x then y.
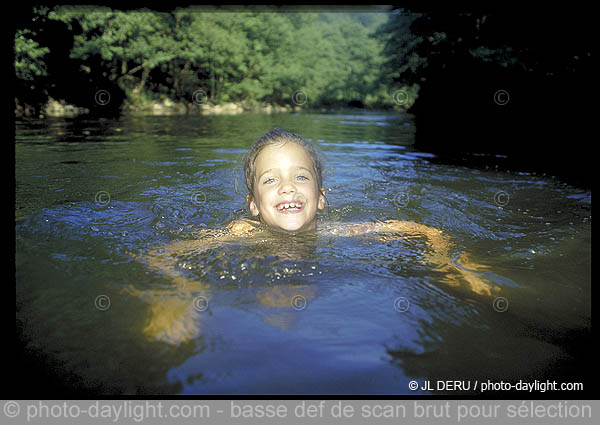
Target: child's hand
{"type": "Point", "coordinates": [281, 301]}
{"type": "Point", "coordinates": [439, 254]}
{"type": "Point", "coordinates": [172, 320]}
{"type": "Point", "coordinates": [468, 271]}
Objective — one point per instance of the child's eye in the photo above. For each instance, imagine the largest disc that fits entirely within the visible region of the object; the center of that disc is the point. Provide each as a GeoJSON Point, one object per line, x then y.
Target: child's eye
{"type": "Point", "coordinates": [268, 180]}
{"type": "Point", "coordinates": [302, 177]}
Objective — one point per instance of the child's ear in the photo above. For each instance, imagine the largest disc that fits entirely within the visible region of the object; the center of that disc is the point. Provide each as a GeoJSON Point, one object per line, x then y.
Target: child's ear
{"type": "Point", "coordinates": [321, 203]}
{"type": "Point", "coordinates": [252, 205]}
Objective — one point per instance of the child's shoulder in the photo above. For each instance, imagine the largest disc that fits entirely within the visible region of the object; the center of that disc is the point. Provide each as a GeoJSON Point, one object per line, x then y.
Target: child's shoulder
{"type": "Point", "coordinates": [243, 226]}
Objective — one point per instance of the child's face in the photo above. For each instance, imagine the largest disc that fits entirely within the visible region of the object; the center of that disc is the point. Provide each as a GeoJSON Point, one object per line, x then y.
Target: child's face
{"type": "Point", "coordinates": [284, 174]}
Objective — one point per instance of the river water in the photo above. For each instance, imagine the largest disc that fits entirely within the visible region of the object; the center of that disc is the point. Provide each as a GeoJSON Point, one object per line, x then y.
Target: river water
{"type": "Point", "coordinates": [370, 316]}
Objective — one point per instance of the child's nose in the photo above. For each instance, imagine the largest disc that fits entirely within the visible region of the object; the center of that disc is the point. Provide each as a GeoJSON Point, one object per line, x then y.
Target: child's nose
{"type": "Point", "coordinates": [287, 187]}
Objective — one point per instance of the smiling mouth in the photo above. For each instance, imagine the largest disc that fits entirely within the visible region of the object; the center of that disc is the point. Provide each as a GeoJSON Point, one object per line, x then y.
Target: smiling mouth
{"type": "Point", "coordinates": [289, 207]}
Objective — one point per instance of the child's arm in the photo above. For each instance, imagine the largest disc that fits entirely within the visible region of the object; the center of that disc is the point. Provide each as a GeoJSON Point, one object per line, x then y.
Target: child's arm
{"type": "Point", "coordinates": [439, 254]}
{"type": "Point", "coordinates": [164, 258]}
{"type": "Point", "coordinates": [173, 316]}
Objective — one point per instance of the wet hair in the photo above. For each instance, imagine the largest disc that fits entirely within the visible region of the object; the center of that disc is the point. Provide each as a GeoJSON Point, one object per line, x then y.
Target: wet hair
{"type": "Point", "coordinates": [273, 137]}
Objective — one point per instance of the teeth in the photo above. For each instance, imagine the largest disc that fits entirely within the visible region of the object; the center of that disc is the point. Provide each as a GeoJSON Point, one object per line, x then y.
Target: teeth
{"type": "Point", "coordinates": [290, 205]}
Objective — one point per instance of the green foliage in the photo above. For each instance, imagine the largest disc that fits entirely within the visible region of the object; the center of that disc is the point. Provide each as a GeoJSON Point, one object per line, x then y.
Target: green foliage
{"type": "Point", "coordinates": [250, 55]}
{"type": "Point", "coordinates": [129, 41]}
{"type": "Point", "coordinates": [29, 56]}
{"type": "Point", "coordinates": [402, 60]}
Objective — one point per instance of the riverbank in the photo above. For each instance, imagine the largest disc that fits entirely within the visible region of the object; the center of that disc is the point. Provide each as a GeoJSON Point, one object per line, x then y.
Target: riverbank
{"type": "Point", "coordinates": [167, 106]}
{"type": "Point", "coordinates": [60, 108]}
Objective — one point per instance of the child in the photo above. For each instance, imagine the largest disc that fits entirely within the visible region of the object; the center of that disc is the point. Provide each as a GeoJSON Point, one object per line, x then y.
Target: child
{"type": "Point", "coordinates": [283, 175]}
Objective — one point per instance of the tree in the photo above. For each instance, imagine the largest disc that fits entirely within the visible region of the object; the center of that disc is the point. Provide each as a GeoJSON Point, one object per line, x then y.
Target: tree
{"type": "Point", "coordinates": [127, 42]}
{"type": "Point", "coordinates": [29, 56]}
{"type": "Point", "coordinates": [251, 55]}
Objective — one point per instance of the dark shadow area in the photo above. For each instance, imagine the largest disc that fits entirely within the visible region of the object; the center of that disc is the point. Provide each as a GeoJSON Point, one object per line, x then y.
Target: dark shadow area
{"type": "Point", "coordinates": [534, 131]}
{"type": "Point", "coordinates": [40, 377]}
{"type": "Point", "coordinates": [527, 355]}
{"type": "Point", "coordinates": [526, 109]}
{"type": "Point", "coordinates": [68, 80]}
